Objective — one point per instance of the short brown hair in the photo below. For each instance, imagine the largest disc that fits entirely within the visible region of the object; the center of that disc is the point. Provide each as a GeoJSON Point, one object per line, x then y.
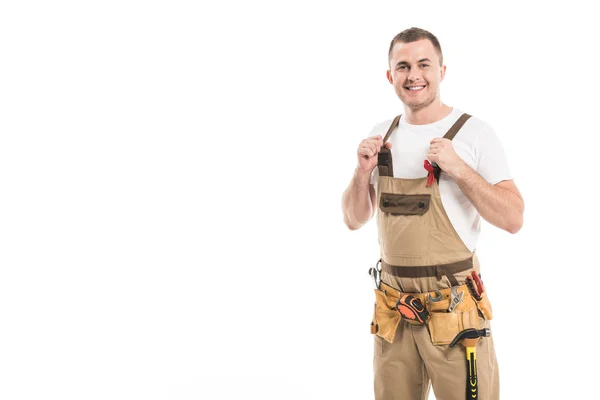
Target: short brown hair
{"type": "Point", "coordinates": [412, 35]}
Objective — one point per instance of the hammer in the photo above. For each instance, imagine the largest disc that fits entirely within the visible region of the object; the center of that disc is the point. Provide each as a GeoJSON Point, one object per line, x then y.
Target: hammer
{"type": "Point", "coordinates": [469, 338]}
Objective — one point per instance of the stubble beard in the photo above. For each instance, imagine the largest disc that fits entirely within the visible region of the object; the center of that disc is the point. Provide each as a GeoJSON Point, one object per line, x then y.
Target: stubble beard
{"type": "Point", "coordinates": [419, 106]}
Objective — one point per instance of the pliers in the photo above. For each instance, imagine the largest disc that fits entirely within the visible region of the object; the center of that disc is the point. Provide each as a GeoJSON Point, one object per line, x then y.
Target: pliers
{"type": "Point", "coordinates": [475, 285]}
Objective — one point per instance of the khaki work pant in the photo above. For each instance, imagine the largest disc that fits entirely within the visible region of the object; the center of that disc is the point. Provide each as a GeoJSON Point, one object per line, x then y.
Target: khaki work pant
{"type": "Point", "coordinates": [405, 369]}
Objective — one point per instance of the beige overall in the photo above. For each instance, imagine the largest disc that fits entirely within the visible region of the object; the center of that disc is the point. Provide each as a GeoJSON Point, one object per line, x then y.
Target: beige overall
{"type": "Point", "coordinates": [420, 253]}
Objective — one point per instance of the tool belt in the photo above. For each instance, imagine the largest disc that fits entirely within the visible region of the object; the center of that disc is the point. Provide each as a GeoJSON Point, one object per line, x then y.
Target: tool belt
{"type": "Point", "coordinates": [443, 325]}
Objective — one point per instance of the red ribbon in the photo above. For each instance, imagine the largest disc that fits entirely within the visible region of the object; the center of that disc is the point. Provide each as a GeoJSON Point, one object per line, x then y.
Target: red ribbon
{"type": "Point", "coordinates": [430, 176]}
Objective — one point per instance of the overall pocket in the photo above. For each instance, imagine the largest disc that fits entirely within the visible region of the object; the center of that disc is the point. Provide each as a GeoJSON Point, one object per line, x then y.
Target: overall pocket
{"type": "Point", "coordinates": [402, 222]}
{"type": "Point", "coordinates": [404, 204]}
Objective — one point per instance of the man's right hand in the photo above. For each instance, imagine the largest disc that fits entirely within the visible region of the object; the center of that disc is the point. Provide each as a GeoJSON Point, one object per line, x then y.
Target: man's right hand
{"type": "Point", "coordinates": [358, 201]}
{"type": "Point", "coordinates": [367, 153]}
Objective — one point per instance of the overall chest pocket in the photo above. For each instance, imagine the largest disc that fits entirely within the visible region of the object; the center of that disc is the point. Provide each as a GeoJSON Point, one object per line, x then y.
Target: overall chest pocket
{"type": "Point", "coordinates": [404, 230]}
{"type": "Point", "coordinates": [404, 204]}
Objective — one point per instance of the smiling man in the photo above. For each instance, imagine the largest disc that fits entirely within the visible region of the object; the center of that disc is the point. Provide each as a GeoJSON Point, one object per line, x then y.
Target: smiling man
{"type": "Point", "coordinates": [430, 175]}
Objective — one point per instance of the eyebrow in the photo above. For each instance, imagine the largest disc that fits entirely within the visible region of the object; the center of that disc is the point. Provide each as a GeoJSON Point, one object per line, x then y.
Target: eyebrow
{"type": "Point", "coordinates": [406, 63]}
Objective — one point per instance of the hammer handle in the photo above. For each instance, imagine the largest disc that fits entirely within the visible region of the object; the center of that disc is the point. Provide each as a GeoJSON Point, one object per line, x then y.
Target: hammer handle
{"type": "Point", "coordinates": [472, 387]}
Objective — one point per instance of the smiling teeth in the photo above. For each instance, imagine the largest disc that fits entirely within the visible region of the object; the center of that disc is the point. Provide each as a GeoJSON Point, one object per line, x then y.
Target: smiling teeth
{"type": "Point", "coordinates": [416, 88]}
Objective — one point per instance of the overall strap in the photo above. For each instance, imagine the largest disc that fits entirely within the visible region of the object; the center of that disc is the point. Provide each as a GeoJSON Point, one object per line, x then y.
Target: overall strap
{"type": "Point", "coordinates": [393, 126]}
{"type": "Point", "coordinates": [456, 127]}
{"type": "Point", "coordinates": [384, 158]}
{"type": "Point", "coordinates": [450, 135]}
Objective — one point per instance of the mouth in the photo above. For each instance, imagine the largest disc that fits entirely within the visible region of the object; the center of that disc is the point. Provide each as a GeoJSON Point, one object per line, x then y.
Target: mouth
{"type": "Point", "coordinates": [415, 88]}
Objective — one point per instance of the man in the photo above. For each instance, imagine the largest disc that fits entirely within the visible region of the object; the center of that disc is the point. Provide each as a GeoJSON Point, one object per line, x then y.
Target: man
{"type": "Point", "coordinates": [438, 172]}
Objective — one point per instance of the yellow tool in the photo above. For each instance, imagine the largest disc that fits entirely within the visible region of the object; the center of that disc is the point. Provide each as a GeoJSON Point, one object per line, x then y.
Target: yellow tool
{"type": "Point", "coordinates": [469, 338]}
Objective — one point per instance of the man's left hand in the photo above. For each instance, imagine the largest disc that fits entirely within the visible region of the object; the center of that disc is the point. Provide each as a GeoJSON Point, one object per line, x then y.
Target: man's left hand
{"type": "Point", "coordinates": [441, 151]}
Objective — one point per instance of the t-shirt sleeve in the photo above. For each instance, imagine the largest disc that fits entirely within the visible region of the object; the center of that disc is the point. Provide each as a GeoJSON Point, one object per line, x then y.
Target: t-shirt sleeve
{"type": "Point", "coordinates": [374, 176]}
{"type": "Point", "coordinates": [492, 164]}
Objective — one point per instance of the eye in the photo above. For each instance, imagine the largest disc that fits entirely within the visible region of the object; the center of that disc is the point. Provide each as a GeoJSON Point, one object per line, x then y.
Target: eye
{"type": "Point", "coordinates": [402, 67]}
{"type": "Point", "coordinates": [424, 65]}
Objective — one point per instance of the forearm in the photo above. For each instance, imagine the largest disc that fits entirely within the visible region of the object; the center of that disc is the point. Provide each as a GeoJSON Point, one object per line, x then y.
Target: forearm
{"type": "Point", "coordinates": [498, 206]}
{"type": "Point", "coordinates": [356, 200]}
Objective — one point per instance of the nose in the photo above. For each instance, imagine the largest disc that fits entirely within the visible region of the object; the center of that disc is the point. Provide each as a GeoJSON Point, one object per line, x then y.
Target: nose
{"type": "Point", "coordinates": [413, 76]}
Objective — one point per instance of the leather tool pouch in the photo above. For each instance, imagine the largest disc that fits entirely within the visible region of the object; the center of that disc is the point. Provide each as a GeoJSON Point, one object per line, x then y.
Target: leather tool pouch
{"type": "Point", "coordinates": [484, 306]}
{"type": "Point", "coordinates": [443, 325]}
{"type": "Point", "coordinates": [385, 318]}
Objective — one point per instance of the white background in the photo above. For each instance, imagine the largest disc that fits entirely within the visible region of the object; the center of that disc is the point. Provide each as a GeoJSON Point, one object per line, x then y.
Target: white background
{"type": "Point", "coordinates": [170, 193]}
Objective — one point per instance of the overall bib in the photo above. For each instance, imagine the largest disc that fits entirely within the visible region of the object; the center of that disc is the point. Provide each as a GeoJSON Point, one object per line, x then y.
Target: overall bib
{"type": "Point", "coordinates": [422, 255]}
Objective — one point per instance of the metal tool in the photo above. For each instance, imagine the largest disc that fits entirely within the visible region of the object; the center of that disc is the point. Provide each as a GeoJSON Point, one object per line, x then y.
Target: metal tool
{"type": "Point", "coordinates": [478, 282]}
{"type": "Point", "coordinates": [469, 338]}
{"type": "Point", "coordinates": [438, 296]}
{"type": "Point", "coordinates": [471, 286]}
{"type": "Point", "coordinates": [375, 273]}
{"type": "Point", "coordinates": [455, 298]}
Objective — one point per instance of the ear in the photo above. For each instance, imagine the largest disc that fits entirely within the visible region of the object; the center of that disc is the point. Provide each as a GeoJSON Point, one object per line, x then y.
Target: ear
{"type": "Point", "coordinates": [388, 73]}
{"type": "Point", "coordinates": [442, 72]}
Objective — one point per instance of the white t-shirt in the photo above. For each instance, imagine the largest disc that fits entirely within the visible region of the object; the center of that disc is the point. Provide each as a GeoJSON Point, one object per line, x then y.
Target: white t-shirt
{"type": "Point", "coordinates": [476, 143]}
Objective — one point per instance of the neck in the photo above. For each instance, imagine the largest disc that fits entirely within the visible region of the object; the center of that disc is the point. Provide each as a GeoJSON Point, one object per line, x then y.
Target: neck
{"type": "Point", "coordinates": [427, 115]}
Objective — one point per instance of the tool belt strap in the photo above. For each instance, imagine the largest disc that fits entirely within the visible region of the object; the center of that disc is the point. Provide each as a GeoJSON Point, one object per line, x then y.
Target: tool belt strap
{"type": "Point", "coordinates": [429, 270]}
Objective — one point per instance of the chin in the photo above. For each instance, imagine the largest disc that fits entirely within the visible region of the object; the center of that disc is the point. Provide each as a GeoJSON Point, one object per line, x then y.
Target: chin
{"type": "Point", "coordinates": [418, 106]}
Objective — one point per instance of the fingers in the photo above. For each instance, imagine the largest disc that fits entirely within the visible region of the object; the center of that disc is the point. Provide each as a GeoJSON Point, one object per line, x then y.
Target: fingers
{"type": "Point", "coordinates": [438, 143]}
{"type": "Point", "coordinates": [368, 151]}
{"type": "Point", "coordinates": [370, 146]}
{"type": "Point", "coordinates": [376, 141]}
{"type": "Point", "coordinates": [432, 157]}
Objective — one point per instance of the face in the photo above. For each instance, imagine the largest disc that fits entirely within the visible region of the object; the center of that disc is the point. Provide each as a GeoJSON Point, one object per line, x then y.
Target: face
{"type": "Point", "coordinates": [415, 73]}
